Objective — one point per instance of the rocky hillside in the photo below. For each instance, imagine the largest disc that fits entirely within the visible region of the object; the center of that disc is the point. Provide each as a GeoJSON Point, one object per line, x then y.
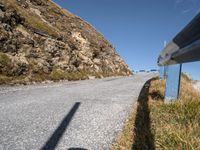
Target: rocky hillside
{"type": "Point", "coordinates": [41, 41]}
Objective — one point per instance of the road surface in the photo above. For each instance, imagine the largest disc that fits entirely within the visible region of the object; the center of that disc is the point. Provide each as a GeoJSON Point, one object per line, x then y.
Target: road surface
{"type": "Point", "coordinates": [67, 115]}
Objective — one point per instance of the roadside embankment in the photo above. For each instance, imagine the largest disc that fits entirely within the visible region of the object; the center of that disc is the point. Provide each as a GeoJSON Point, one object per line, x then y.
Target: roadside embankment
{"type": "Point", "coordinates": [158, 125]}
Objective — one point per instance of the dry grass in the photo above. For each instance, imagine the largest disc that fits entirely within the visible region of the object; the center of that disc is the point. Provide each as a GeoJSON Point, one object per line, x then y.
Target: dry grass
{"type": "Point", "coordinates": [4, 59]}
{"type": "Point", "coordinates": [4, 79]}
{"type": "Point", "coordinates": [55, 75]}
{"type": "Point", "coordinates": [177, 125]}
{"type": "Point", "coordinates": [5, 65]}
{"type": "Point", "coordinates": [171, 126]}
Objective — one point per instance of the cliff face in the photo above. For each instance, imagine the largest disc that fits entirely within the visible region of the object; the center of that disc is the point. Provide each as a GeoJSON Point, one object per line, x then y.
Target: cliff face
{"type": "Point", "coordinates": [41, 41]}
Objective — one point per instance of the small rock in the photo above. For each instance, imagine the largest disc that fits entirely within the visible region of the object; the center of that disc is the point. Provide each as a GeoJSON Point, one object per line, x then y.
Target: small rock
{"type": "Point", "coordinates": [38, 2]}
{"type": "Point", "coordinates": [3, 35]}
{"type": "Point", "coordinates": [23, 3]}
{"type": "Point", "coordinates": [2, 7]}
{"type": "Point", "coordinates": [1, 15]}
{"type": "Point", "coordinates": [91, 77]}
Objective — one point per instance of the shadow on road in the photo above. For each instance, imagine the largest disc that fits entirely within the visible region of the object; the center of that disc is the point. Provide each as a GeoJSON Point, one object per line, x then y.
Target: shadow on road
{"type": "Point", "coordinates": [53, 141]}
{"type": "Point", "coordinates": [144, 139]}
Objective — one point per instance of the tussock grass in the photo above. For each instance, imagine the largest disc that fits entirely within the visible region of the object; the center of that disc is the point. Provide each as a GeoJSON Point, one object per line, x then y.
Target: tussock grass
{"type": "Point", "coordinates": [55, 75]}
{"type": "Point", "coordinates": [5, 65]}
{"type": "Point", "coordinates": [71, 76]}
{"type": "Point", "coordinates": [177, 125]}
{"type": "Point", "coordinates": [169, 126]}
{"type": "Point", "coordinates": [4, 79]}
{"type": "Point", "coordinates": [4, 59]}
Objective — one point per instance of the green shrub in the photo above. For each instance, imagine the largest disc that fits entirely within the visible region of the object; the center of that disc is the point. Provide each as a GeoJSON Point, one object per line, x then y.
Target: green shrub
{"type": "Point", "coordinates": [4, 60]}
{"type": "Point", "coordinates": [5, 64]}
{"type": "Point", "coordinates": [5, 79]}
{"type": "Point", "coordinates": [58, 75]}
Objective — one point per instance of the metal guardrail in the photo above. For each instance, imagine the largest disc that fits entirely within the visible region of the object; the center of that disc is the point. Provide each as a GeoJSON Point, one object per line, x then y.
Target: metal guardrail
{"type": "Point", "coordinates": [185, 47]}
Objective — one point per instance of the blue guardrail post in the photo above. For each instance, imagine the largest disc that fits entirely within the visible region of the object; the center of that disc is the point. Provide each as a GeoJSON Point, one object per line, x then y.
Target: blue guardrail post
{"type": "Point", "coordinates": [163, 72]}
{"type": "Point", "coordinates": [173, 82]}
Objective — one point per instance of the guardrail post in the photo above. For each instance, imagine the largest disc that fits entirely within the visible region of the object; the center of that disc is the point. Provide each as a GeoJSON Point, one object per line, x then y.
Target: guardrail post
{"type": "Point", "coordinates": [173, 82]}
{"type": "Point", "coordinates": [163, 72]}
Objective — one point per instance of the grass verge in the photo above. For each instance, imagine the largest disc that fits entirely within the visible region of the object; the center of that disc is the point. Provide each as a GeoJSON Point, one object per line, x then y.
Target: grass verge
{"type": "Point", "coordinates": [157, 125]}
{"type": "Point", "coordinates": [55, 75]}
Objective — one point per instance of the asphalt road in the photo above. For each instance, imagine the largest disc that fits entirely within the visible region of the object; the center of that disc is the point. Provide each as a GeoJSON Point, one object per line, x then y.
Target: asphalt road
{"type": "Point", "coordinates": [67, 115]}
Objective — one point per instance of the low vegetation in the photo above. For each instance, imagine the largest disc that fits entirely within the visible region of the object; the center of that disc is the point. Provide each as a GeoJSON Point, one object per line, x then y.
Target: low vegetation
{"type": "Point", "coordinates": [4, 60]}
{"type": "Point", "coordinates": [4, 79]}
{"type": "Point", "coordinates": [165, 126]}
{"type": "Point", "coordinates": [5, 64]}
{"type": "Point", "coordinates": [55, 75]}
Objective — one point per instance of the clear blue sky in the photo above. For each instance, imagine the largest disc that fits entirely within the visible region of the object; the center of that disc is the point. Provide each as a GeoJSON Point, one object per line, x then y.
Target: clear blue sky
{"type": "Point", "coordinates": [138, 28]}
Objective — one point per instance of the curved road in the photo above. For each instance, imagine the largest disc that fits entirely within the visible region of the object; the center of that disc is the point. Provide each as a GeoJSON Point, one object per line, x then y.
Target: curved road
{"type": "Point", "coordinates": [67, 115]}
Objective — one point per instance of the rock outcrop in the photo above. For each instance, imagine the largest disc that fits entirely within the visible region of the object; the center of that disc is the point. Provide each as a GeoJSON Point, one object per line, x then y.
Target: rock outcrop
{"type": "Point", "coordinates": [41, 41]}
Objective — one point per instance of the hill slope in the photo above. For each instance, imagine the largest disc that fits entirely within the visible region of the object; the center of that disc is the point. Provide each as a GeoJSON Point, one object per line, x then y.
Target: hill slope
{"type": "Point", "coordinates": [40, 41]}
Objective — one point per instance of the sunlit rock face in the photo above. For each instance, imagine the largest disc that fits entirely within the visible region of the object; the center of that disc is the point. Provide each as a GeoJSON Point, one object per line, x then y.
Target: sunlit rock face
{"type": "Point", "coordinates": [41, 41]}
